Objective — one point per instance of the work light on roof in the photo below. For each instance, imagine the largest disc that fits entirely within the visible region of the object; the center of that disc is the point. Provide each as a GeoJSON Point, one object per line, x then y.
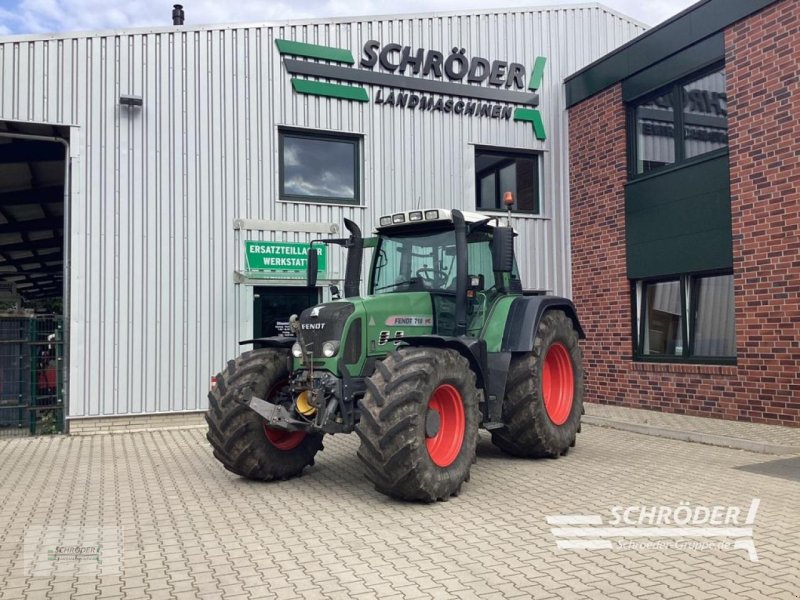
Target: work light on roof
{"type": "Point", "coordinates": [387, 220]}
{"type": "Point", "coordinates": [399, 218]}
{"type": "Point", "coordinates": [431, 214]}
{"type": "Point", "coordinates": [415, 215]}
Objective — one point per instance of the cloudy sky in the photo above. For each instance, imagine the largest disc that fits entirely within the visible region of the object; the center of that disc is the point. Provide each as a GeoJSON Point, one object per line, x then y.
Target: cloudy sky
{"type": "Point", "coordinates": [37, 16]}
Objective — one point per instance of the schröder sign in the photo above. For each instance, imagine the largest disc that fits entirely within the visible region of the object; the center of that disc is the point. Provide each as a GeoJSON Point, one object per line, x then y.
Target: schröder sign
{"type": "Point", "coordinates": [419, 79]}
{"type": "Point", "coordinates": [281, 256]}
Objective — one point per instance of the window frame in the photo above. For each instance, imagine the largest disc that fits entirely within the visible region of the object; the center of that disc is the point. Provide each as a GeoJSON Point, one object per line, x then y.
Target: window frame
{"type": "Point", "coordinates": [674, 90]}
{"type": "Point", "coordinates": [689, 300]}
{"type": "Point", "coordinates": [510, 155]}
{"type": "Point", "coordinates": [313, 134]}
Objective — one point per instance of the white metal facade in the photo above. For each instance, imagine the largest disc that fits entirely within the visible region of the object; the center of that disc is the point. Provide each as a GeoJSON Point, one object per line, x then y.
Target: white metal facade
{"type": "Point", "coordinates": [154, 310]}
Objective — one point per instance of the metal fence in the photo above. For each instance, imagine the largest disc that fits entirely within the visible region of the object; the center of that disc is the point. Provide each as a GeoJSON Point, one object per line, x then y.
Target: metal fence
{"type": "Point", "coordinates": [31, 374]}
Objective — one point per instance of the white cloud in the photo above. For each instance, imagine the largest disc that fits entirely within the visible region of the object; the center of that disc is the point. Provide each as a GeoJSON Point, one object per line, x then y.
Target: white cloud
{"type": "Point", "coordinates": [38, 16]}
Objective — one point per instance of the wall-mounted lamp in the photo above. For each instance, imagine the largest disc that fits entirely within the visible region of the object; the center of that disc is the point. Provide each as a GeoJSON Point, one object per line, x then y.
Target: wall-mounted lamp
{"type": "Point", "coordinates": [129, 100]}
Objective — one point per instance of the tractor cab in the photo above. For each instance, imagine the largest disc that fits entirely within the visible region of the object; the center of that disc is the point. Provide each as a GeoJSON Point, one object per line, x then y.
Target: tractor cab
{"type": "Point", "coordinates": [416, 251]}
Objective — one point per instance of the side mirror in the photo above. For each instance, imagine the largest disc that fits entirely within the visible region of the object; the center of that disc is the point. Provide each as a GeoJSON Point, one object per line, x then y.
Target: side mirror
{"type": "Point", "coordinates": [503, 250]}
{"type": "Point", "coordinates": [312, 265]}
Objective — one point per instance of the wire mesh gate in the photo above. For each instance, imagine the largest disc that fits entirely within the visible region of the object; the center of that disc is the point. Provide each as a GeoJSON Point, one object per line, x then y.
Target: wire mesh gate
{"type": "Point", "coordinates": [31, 375]}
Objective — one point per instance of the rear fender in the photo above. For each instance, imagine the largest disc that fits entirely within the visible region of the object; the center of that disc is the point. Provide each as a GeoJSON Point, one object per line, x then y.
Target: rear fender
{"type": "Point", "coordinates": [524, 316]}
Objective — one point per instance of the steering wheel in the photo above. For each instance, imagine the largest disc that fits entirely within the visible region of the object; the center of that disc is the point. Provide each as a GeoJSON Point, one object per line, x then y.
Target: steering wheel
{"type": "Point", "coordinates": [432, 277]}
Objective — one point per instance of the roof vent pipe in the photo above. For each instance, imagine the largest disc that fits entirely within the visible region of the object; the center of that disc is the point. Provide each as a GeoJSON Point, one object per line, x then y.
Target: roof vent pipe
{"type": "Point", "coordinates": [177, 14]}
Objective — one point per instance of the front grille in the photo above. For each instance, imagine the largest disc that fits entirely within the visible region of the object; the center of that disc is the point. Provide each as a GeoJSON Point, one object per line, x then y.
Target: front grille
{"type": "Point", "coordinates": [352, 345]}
{"type": "Point", "coordinates": [327, 324]}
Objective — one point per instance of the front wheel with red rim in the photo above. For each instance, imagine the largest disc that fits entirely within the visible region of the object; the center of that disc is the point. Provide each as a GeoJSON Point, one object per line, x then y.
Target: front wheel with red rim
{"type": "Point", "coordinates": [240, 439]}
{"type": "Point", "coordinates": [280, 438]}
{"type": "Point", "coordinates": [284, 440]}
{"type": "Point", "coordinates": [543, 401]}
{"type": "Point", "coordinates": [445, 425]}
{"type": "Point", "coordinates": [419, 424]}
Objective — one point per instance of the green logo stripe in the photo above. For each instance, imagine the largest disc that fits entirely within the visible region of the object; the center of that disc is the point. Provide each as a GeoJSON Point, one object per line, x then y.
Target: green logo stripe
{"type": "Point", "coordinates": [332, 90]}
{"type": "Point", "coordinates": [339, 55]}
{"type": "Point", "coordinates": [534, 117]}
{"type": "Point", "coordinates": [537, 73]}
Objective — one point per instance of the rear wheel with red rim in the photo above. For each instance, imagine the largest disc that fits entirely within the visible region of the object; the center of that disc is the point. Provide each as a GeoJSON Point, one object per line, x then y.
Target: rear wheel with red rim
{"type": "Point", "coordinates": [544, 393]}
{"type": "Point", "coordinates": [558, 383]}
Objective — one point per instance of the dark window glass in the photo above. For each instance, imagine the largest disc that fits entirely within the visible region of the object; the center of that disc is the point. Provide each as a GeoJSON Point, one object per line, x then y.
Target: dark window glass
{"type": "Point", "coordinates": [663, 330]}
{"type": "Point", "coordinates": [704, 302]}
{"type": "Point", "coordinates": [714, 329]}
{"type": "Point", "coordinates": [705, 115]}
{"type": "Point", "coordinates": [501, 172]}
{"type": "Point", "coordinates": [655, 133]}
{"type": "Point", "coordinates": [666, 136]}
{"type": "Point", "coordinates": [319, 167]}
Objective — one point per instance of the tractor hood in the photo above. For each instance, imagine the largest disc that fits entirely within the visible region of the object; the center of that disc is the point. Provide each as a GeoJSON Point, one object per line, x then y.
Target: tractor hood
{"type": "Point", "coordinates": [323, 323]}
{"type": "Point", "coordinates": [364, 327]}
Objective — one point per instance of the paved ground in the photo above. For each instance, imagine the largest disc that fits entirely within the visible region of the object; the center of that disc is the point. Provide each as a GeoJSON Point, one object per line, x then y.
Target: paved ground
{"type": "Point", "coordinates": [190, 529]}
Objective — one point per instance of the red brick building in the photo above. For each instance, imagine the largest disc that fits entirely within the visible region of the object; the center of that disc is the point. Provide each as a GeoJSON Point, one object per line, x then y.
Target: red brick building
{"type": "Point", "coordinates": [685, 214]}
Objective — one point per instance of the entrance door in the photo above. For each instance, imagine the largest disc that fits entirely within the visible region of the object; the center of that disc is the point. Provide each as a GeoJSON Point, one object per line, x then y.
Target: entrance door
{"type": "Point", "coordinates": [272, 307]}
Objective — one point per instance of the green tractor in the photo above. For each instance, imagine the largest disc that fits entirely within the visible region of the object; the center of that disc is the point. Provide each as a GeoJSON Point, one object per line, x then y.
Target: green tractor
{"type": "Point", "coordinates": [445, 341]}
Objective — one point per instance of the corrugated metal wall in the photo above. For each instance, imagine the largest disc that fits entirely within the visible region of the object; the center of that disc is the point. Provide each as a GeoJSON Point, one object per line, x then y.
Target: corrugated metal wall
{"type": "Point", "coordinates": [154, 310]}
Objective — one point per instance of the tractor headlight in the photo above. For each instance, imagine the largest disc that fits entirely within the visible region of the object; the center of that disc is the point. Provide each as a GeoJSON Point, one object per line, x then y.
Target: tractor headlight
{"type": "Point", "coordinates": [297, 350]}
{"type": "Point", "coordinates": [329, 349]}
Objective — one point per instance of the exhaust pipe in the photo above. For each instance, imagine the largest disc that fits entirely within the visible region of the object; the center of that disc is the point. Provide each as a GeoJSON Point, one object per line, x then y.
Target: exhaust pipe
{"type": "Point", "coordinates": [461, 272]}
{"type": "Point", "coordinates": [177, 14]}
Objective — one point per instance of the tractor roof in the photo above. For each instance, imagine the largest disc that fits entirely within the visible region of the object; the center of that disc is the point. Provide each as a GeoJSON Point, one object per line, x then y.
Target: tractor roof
{"type": "Point", "coordinates": [430, 215]}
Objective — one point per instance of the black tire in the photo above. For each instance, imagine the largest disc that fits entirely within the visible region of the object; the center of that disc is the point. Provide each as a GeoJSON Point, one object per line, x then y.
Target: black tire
{"type": "Point", "coordinates": [393, 423]}
{"type": "Point", "coordinates": [237, 433]}
{"type": "Point", "coordinates": [528, 429]}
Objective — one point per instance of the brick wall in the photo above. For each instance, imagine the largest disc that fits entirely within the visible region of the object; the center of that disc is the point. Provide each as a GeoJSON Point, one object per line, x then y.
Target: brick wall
{"type": "Point", "coordinates": [762, 54]}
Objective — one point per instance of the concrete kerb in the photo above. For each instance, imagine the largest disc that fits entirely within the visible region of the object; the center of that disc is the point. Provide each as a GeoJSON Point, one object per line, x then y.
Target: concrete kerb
{"type": "Point", "coordinates": [692, 436]}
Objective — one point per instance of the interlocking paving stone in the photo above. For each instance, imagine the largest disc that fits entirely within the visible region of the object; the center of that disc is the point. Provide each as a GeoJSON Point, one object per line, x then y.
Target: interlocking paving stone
{"type": "Point", "coordinates": [191, 529]}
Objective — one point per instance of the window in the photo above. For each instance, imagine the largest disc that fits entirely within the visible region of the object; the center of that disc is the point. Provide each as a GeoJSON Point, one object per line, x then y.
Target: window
{"type": "Point", "coordinates": [705, 115]}
{"type": "Point", "coordinates": [663, 328]}
{"type": "Point", "coordinates": [407, 261]}
{"type": "Point", "coordinates": [697, 308]}
{"type": "Point", "coordinates": [655, 134]}
{"type": "Point", "coordinates": [665, 136]}
{"type": "Point", "coordinates": [319, 167]}
{"type": "Point", "coordinates": [500, 172]}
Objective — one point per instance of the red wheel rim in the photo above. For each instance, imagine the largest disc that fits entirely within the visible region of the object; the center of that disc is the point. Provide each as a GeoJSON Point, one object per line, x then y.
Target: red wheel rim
{"type": "Point", "coordinates": [443, 448]}
{"type": "Point", "coordinates": [282, 440]}
{"type": "Point", "coordinates": [558, 383]}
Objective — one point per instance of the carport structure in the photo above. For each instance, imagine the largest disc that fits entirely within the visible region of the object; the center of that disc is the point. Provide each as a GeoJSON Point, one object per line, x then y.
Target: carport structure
{"type": "Point", "coordinates": [33, 181]}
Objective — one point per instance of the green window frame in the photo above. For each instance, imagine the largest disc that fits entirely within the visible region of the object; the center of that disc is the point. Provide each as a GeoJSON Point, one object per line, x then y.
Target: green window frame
{"type": "Point", "coordinates": [686, 117]}
{"type": "Point", "coordinates": [342, 145]}
{"type": "Point", "coordinates": [687, 318]}
{"type": "Point", "coordinates": [490, 187]}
